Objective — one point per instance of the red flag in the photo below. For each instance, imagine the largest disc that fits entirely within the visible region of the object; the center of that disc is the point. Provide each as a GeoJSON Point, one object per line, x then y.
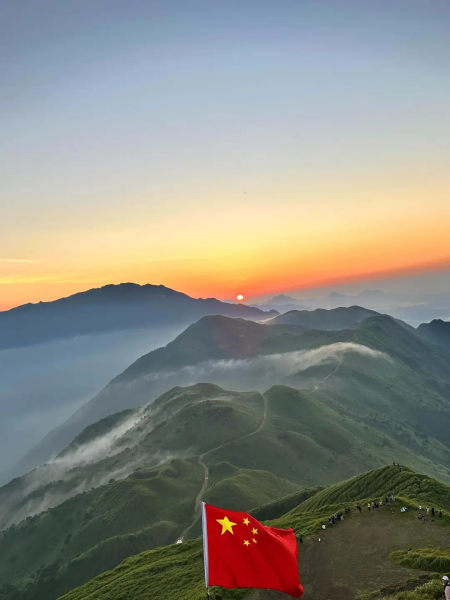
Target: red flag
{"type": "Point", "coordinates": [241, 553]}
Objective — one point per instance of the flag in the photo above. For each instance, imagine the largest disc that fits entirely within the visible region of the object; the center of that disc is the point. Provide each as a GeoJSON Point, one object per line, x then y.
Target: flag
{"type": "Point", "coordinates": [239, 552]}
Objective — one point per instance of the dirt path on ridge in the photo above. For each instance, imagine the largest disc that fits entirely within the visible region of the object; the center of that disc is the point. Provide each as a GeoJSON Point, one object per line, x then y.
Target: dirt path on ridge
{"type": "Point", "coordinates": [199, 498]}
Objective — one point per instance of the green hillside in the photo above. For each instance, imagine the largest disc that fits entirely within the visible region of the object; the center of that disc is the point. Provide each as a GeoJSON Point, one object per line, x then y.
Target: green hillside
{"type": "Point", "coordinates": [346, 401]}
{"type": "Point", "coordinates": [223, 351]}
{"type": "Point", "coordinates": [256, 448]}
{"type": "Point", "coordinates": [177, 570]}
{"type": "Point", "coordinates": [327, 320]}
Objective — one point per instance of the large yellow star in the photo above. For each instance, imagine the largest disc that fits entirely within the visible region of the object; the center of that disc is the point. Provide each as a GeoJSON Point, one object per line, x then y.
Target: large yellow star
{"type": "Point", "coordinates": [246, 522]}
{"type": "Point", "coordinates": [227, 525]}
{"type": "Point", "coordinates": [254, 531]}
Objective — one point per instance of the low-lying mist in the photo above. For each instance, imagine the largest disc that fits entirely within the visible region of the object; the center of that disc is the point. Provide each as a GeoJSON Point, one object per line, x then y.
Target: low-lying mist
{"type": "Point", "coordinates": [41, 386]}
{"type": "Point", "coordinates": [262, 371]}
{"type": "Point", "coordinates": [109, 455]}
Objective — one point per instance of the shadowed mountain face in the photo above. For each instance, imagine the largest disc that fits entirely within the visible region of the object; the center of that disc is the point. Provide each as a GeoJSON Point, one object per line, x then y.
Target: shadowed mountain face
{"type": "Point", "coordinates": [327, 320]}
{"type": "Point", "coordinates": [110, 308]}
{"type": "Point", "coordinates": [436, 332]}
{"type": "Point", "coordinates": [243, 355]}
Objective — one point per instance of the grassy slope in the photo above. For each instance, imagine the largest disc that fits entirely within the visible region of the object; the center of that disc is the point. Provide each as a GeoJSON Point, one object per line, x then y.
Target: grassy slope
{"type": "Point", "coordinates": [309, 443]}
{"type": "Point", "coordinates": [94, 532]}
{"type": "Point", "coordinates": [316, 437]}
{"type": "Point", "coordinates": [181, 567]}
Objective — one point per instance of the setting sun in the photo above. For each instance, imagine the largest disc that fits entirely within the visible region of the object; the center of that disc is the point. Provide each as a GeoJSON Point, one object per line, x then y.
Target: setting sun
{"type": "Point", "coordinates": [240, 297]}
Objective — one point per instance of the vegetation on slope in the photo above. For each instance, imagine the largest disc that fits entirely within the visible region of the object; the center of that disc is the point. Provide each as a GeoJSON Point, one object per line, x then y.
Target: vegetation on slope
{"type": "Point", "coordinates": [180, 567]}
{"type": "Point", "coordinates": [426, 559]}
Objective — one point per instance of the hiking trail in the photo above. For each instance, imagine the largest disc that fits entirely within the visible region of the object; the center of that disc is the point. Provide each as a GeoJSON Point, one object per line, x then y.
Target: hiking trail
{"type": "Point", "coordinates": [198, 500]}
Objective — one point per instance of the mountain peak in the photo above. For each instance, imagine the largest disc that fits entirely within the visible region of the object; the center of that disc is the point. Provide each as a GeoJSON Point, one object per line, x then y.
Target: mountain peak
{"type": "Point", "coordinates": [281, 299]}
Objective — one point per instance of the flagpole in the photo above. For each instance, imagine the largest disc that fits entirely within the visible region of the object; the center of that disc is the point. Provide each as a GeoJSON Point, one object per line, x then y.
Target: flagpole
{"type": "Point", "coordinates": [205, 549]}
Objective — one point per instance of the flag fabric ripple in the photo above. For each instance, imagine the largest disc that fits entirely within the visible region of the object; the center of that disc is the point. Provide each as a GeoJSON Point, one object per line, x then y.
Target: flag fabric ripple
{"type": "Point", "coordinates": [239, 552]}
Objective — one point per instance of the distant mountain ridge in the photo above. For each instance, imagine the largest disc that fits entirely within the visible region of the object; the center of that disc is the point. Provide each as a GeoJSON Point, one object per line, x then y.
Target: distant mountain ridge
{"type": "Point", "coordinates": [323, 319]}
{"type": "Point", "coordinates": [231, 353]}
{"type": "Point", "coordinates": [110, 308]}
{"type": "Point", "coordinates": [436, 332]}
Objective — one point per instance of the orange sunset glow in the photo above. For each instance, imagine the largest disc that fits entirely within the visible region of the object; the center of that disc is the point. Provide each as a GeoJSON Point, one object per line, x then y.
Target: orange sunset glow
{"type": "Point", "coordinates": [239, 174]}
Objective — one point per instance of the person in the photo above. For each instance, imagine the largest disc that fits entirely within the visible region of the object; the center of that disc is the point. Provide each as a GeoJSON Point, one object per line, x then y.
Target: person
{"type": "Point", "coordinates": [368, 505]}
{"type": "Point", "coordinates": [440, 513]}
{"type": "Point", "coordinates": [300, 539]}
{"type": "Point", "coordinates": [432, 512]}
{"type": "Point", "coordinates": [428, 510]}
{"type": "Point", "coordinates": [420, 507]}
{"type": "Point", "coordinates": [446, 587]}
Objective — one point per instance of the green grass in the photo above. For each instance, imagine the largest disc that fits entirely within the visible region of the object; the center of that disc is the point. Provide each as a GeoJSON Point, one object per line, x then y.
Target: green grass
{"type": "Point", "coordinates": [436, 560]}
{"type": "Point", "coordinates": [181, 567]}
{"type": "Point", "coordinates": [432, 590]}
{"type": "Point", "coordinates": [366, 414]}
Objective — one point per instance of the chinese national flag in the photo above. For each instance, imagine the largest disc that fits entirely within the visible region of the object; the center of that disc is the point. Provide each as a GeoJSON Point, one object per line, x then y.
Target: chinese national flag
{"type": "Point", "coordinates": [242, 553]}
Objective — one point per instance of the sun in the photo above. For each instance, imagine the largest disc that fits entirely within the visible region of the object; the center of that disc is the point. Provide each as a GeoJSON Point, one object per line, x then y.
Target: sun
{"type": "Point", "coordinates": [240, 297]}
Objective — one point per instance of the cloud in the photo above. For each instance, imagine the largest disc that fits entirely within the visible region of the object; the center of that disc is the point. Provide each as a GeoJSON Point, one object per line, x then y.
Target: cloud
{"type": "Point", "coordinates": [81, 468]}
{"type": "Point", "coordinates": [68, 467]}
{"type": "Point", "coordinates": [265, 369]}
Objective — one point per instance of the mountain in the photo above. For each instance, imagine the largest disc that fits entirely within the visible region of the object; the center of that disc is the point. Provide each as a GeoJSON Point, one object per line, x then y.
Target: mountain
{"type": "Point", "coordinates": [341, 565]}
{"type": "Point", "coordinates": [282, 299]}
{"type": "Point", "coordinates": [280, 308]}
{"type": "Point", "coordinates": [315, 406]}
{"type": "Point", "coordinates": [130, 481]}
{"type": "Point", "coordinates": [436, 332]}
{"type": "Point", "coordinates": [243, 355]}
{"type": "Point", "coordinates": [357, 398]}
{"type": "Point", "coordinates": [110, 308]}
{"type": "Point", "coordinates": [327, 320]}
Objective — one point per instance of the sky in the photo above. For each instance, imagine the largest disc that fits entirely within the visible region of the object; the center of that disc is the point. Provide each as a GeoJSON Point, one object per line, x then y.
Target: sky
{"type": "Point", "coordinates": [222, 147]}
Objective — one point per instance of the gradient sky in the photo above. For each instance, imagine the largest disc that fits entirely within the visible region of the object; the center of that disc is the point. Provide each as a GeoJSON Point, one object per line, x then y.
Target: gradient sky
{"type": "Point", "coordinates": [221, 146]}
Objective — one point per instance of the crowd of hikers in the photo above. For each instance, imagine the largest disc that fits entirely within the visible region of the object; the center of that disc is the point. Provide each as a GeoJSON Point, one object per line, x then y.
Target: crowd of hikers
{"type": "Point", "coordinates": [425, 513]}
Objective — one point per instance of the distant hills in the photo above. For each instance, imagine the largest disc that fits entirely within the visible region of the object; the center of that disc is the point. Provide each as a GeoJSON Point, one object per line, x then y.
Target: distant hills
{"type": "Point", "coordinates": [230, 352]}
{"type": "Point", "coordinates": [110, 308]}
{"type": "Point", "coordinates": [436, 332]}
{"type": "Point", "coordinates": [413, 310]}
{"type": "Point", "coordinates": [254, 411]}
{"type": "Point", "coordinates": [327, 320]}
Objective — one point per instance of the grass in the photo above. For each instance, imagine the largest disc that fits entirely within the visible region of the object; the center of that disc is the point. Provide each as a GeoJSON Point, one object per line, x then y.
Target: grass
{"type": "Point", "coordinates": [181, 567]}
{"type": "Point", "coordinates": [436, 560]}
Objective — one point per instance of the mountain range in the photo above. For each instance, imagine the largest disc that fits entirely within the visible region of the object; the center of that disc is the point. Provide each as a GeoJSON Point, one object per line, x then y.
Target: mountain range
{"type": "Point", "coordinates": [298, 401]}
{"type": "Point", "coordinates": [335, 562]}
{"type": "Point", "coordinates": [413, 310]}
{"type": "Point", "coordinates": [244, 355]}
{"type": "Point", "coordinates": [110, 308]}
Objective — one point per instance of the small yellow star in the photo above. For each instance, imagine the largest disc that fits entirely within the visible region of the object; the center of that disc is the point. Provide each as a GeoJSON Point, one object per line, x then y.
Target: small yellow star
{"type": "Point", "coordinates": [246, 522]}
{"type": "Point", "coordinates": [246, 543]}
{"type": "Point", "coordinates": [255, 531]}
{"type": "Point", "coordinates": [254, 541]}
{"type": "Point", "coordinates": [227, 525]}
